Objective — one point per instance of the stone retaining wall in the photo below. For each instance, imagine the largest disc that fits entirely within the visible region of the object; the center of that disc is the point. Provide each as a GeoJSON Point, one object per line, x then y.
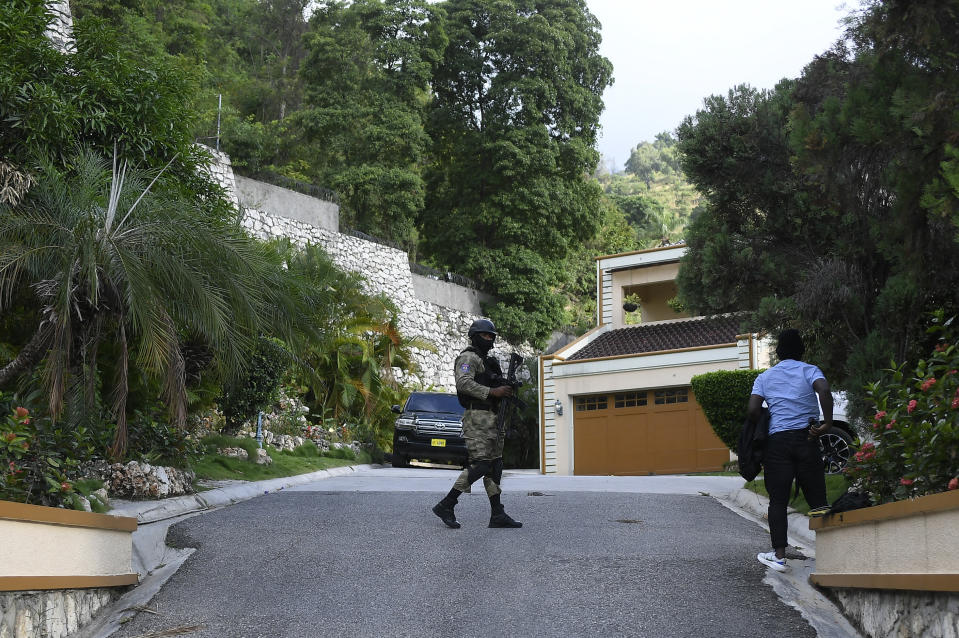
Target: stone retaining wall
{"type": "Point", "coordinates": [315, 212]}
{"type": "Point", "coordinates": [386, 271]}
{"type": "Point", "coordinates": [52, 614]}
{"type": "Point", "coordinates": [878, 613]}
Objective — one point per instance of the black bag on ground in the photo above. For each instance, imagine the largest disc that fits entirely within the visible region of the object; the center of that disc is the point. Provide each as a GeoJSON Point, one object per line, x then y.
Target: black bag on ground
{"type": "Point", "coordinates": [850, 501]}
{"type": "Point", "coordinates": [752, 446]}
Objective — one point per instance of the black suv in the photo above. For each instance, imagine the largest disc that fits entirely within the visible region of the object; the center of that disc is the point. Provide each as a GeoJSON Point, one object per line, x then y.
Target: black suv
{"type": "Point", "coordinates": [430, 427]}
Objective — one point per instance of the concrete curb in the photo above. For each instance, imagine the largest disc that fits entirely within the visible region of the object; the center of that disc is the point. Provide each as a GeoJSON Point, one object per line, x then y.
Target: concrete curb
{"type": "Point", "coordinates": [757, 506]}
{"type": "Point", "coordinates": [147, 512]}
{"type": "Point", "coordinates": [793, 587]}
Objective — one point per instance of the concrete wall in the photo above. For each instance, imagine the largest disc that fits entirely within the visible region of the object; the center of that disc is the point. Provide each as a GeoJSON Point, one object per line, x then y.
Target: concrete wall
{"type": "Point", "coordinates": [886, 546]}
{"type": "Point", "coordinates": [893, 568]}
{"type": "Point", "coordinates": [436, 312]}
{"type": "Point", "coordinates": [287, 203]}
{"type": "Point", "coordinates": [449, 295]}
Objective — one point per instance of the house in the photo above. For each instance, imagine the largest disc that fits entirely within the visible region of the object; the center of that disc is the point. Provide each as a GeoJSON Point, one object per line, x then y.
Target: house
{"type": "Point", "coordinates": [618, 399]}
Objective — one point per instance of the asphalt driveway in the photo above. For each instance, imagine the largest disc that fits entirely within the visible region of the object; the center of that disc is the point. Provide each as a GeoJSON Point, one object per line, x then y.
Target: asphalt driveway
{"type": "Point", "coordinates": [364, 556]}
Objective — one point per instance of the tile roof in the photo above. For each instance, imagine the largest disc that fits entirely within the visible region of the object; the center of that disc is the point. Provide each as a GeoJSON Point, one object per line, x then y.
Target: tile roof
{"type": "Point", "coordinates": [663, 335]}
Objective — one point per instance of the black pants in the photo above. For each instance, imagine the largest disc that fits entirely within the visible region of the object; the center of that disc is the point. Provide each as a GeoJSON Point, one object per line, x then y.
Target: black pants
{"type": "Point", "coordinates": [791, 455]}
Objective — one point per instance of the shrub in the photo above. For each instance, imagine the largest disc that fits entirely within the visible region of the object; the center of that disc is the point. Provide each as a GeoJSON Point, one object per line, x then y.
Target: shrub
{"type": "Point", "coordinates": [288, 415]}
{"type": "Point", "coordinates": [724, 397]}
{"type": "Point", "coordinates": [257, 388]}
{"type": "Point", "coordinates": [159, 442]}
{"type": "Point", "coordinates": [915, 426]}
{"type": "Point", "coordinates": [33, 470]}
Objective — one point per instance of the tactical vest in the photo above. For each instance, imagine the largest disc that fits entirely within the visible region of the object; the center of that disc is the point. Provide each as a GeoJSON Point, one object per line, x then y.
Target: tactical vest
{"type": "Point", "coordinates": [491, 377]}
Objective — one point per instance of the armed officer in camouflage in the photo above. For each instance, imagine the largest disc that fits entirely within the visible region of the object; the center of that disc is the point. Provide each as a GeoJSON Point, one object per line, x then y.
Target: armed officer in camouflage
{"type": "Point", "coordinates": [479, 388]}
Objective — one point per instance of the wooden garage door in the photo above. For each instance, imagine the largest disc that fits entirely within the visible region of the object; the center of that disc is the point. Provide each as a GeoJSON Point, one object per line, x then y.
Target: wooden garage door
{"type": "Point", "coordinates": [644, 432]}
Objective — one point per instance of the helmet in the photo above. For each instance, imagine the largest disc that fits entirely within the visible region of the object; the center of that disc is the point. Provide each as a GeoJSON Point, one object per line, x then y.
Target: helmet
{"type": "Point", "coordinates": [478, 327]}
{"type": "Point", "coordinates": [481, 325]}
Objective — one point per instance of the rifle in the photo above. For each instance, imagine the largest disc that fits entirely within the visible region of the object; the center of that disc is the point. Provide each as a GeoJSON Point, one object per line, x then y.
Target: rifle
{"type": "Point", "coordinates": [507, 405]}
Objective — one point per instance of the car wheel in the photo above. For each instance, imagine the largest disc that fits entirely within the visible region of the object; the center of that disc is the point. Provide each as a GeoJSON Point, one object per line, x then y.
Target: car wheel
{"type": "Point", "coordinates": [400, 461]}
{"type": "Point", "coordinates": [836, 448]}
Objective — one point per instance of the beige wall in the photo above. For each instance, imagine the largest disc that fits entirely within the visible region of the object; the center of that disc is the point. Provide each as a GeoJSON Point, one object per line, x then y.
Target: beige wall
{"type": "Point", "coordinates": [54, 550]}
{"type": "Point", "coordinates": [655, 284]}
{"type": "Point", "coordinates": [569, 379]}
{"type": "Point", "coordinates": [896, 541]}
{"type": "Point", "coordinates": [641, 267]}
{"type": "Point", "coordinates": [43, 544]}
{"type": "Point", "coordinates": [653, 304]}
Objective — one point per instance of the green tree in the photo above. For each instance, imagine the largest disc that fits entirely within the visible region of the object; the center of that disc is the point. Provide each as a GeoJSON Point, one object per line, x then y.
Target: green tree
{"type": "Point", "coordinates": [830, 201]}
{"type": "Point", "coordinates": [348, 365]}
{"type": "Point", "coordinates": [102, 94]}
{"type": "Point", "coordinates": [735, 152]}
{"type": "Point", "coordinates": [366, 78]}
{"type": "Point", "coordinates": [246, 394]}
{"type": "Point", "coordinates": [514, 119]}
{"type": "Point", "coordinates": [252, 56]}
{"type": "Point", "coordinates": [579, 285]}
{"type": "Point", "coordinates": [654, 194]}
{"type": "Point", "coordinates": [171, 26]}
{"type": "Point", "coordinates": [114, 258]}
{"type": "Point", "coordinates": [248, 51]}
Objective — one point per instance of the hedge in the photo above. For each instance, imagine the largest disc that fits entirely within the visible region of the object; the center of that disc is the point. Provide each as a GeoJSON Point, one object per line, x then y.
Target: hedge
{"type": "Point", "coordinates": [724, 397]}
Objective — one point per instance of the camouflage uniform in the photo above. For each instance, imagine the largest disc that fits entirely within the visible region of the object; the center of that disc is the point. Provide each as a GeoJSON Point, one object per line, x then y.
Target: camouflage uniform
{"type": "Point", "coordinates": [476, 374]}
{"type": "Point", "coordinates": [483, 439]}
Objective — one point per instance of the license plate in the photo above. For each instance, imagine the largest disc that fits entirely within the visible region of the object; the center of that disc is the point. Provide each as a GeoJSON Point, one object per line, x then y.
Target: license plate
{"type": "Point", "coordinates": [438, 442]}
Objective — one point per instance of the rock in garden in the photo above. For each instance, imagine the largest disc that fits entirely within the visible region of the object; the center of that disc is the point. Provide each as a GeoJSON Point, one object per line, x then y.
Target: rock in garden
{"type": "Point", "coordinates": [234, 453]}
{"type": "Point", "coordinates": [144, 481]}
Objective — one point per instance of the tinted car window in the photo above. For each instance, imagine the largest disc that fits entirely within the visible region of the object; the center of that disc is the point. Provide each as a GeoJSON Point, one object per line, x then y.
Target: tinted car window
{"type": "Point", "coordinates": [434, 403]}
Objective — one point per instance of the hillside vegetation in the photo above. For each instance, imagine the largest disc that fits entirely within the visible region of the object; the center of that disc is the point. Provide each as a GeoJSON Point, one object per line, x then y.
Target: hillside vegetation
{"type": "Point", "coordinates": [463, 131]}
{"type": "Point", "coordinates": [468, 165]}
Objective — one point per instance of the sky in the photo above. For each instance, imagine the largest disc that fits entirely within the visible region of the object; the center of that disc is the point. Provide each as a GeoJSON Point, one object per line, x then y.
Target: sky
{"type": "Point", "coordinates": [669, 55]}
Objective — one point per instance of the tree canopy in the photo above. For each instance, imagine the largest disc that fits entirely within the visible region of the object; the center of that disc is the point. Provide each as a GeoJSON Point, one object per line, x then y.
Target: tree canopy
{"type": "Point", "coordinates": [366, 81]}
{"type": "Point", "coordinates": [831, 201]}
{"type": "Point", "coordinates": [514, 119]}
{"type": "Point", "coordinates": [463, 131]}
{"type": "Point", "coordinates": [100, 95]}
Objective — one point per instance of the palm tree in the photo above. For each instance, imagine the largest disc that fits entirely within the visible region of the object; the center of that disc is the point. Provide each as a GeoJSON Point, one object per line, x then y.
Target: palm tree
{"type": "Point", "coordinates": [349, 362]}
{"type": "Point", "coordinates": [109, 255]}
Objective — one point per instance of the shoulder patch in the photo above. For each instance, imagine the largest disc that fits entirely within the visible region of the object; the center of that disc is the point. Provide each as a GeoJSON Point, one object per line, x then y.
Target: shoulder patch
{"type": "Point", "coordinates": [465, 367]}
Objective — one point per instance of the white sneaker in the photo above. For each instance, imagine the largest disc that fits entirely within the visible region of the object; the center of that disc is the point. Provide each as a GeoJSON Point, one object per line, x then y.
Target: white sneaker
{"type": "Point", "coordinates": [769, 559]}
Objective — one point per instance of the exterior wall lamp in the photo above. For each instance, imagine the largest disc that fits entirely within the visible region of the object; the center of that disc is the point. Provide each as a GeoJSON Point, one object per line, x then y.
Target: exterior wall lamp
{"type": "Point", "coordinates": [558, 406]}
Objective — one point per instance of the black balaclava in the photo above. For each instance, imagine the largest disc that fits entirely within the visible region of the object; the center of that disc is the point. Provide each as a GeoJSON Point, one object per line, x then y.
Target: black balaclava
{"type": "Point", "coordinates": [482, 346]}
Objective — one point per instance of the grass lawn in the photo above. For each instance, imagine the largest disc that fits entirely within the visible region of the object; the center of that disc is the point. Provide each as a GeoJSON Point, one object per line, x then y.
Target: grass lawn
{"type": "Point", "coordinates": [836, 485]}
{"type": "Point", "coordinates": [304, 459]}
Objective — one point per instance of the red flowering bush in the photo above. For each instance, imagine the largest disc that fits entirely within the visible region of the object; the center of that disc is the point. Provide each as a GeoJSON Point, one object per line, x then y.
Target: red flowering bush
{"type": "Point", "coordinates": [28, 472]}
{"type": "Point", "coordinates": [915, 427]}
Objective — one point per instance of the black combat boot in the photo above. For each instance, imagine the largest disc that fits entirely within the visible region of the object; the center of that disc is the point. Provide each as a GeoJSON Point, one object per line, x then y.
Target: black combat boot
{"type": "Point", "coordinates": [499, 518]}
{"type": "Point", "coordinates": [444, 509]}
